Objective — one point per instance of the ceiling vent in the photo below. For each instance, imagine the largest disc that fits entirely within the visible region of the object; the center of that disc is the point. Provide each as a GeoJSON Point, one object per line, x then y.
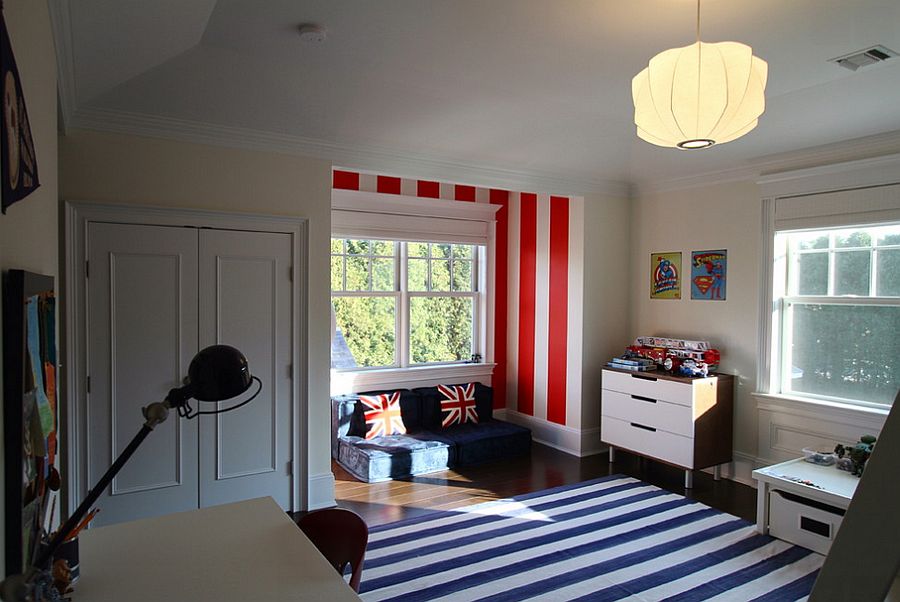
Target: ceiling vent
{"type": "Point", "coordinates": [864, 58]}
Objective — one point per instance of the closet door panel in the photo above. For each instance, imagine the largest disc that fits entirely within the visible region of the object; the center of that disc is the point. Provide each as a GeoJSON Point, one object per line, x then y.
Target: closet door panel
{"type": "Point", "coordinates": [142, 325]}
{"type": "Point", "coordinates": [245, 301]}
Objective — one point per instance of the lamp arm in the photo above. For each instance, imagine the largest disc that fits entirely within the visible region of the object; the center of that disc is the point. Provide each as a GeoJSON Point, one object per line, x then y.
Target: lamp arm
{"type": "Point", "coordinates": [155, 414]}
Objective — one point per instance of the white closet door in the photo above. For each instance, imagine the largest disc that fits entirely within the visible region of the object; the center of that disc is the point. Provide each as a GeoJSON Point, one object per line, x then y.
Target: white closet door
{"type": "Point", "coordinates": [142, 335]}
{"type": "Point", "coordinates": [245, 302]}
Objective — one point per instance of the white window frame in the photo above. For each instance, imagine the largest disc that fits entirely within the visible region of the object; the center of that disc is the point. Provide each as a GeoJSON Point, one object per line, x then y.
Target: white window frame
{"type": "Point", "coordinates": [786, 296]}
{"type": "Point", "coordinates": [378, 216]}
{"type": "Point", "coordinates": [845, 195]}
{"type": "Point", "coordinates": [403, 295]}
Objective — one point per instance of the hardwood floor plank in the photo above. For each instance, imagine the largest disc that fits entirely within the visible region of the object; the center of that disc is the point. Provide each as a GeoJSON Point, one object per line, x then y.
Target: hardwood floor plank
{"type": "Point", "coordinates": [380, 503]}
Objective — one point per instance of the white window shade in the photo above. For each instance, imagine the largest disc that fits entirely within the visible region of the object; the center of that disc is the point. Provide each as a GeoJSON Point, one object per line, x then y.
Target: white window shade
{"type": "Point", "coordinates": [855, 207]}
{"type": "Point", "coordinates": [392, 217]}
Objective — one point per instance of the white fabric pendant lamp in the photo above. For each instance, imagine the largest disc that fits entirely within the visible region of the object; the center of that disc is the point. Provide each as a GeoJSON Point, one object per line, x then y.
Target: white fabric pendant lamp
{"type": "Point", "coordinates": [699, 95]}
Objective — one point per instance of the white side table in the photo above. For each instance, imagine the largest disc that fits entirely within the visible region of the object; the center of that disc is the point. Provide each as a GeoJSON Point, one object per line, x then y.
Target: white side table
{"type": "Point", "coordinates": [802, 502]}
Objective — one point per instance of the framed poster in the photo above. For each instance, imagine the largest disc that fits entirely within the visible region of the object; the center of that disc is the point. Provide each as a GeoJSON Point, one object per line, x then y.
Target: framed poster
{"type": "Point", "coordinates": [709, 274]}
{"type": "Point", "coordinates": [29, 413]}
{"type": "Point", "coordinates": [665, 275]}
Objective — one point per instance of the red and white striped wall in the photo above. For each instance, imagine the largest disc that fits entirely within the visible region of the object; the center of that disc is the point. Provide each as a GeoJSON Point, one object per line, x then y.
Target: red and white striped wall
{"type": "Point", "coordinates": [538, 317]}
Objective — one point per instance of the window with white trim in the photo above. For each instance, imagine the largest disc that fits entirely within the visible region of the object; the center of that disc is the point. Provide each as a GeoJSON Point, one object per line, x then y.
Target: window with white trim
{"type": "Point", "coordinates": [400, 304]}
{"type": "Point", "coordinates": [837, 313]}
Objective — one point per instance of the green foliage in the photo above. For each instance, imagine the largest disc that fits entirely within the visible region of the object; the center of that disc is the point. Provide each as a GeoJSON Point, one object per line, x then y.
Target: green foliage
{"type": "Point", "coordinates": [367, 324]}
{"type": "Point", "coordinates": [441, 327]}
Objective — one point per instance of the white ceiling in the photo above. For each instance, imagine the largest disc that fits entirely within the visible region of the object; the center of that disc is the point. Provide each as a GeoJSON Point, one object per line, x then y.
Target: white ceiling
{"type": "Point", "coordinates": [483, 90]}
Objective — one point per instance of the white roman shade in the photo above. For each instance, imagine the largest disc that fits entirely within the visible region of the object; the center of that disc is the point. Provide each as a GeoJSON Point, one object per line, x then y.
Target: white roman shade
{"type": "Point", "coordinates": [374, 215]}
{"type": "Point", "coordinates": [855, 207]}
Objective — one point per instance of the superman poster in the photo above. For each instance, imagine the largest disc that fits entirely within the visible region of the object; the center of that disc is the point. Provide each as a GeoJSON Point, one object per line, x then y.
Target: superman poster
{"type": "Point", "coordinates": [665, 275]}
{"type": "Point", "coordinates": [709, 270]}
{"type": "Point", "coordinates": [18, 163]}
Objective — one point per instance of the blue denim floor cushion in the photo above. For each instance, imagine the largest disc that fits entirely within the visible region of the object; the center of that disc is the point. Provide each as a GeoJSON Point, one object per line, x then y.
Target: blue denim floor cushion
{"type": "Point", "coordinates": [393, 457]}
{"type": "Point", "coordinates": [485, 441]}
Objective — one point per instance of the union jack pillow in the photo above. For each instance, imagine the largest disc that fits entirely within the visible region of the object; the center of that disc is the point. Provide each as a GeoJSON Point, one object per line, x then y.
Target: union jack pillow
{"type": "Point", "coordinates": [382, 413]}
{"type": "Point", "coordinates": [458, 405]}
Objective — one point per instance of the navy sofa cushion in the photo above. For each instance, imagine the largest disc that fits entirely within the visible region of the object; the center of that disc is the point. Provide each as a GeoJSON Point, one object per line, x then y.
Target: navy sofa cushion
{"type": "Point", "coordinates": [485, 441]}
{"type": "Point", "coordinates": [431, 405]}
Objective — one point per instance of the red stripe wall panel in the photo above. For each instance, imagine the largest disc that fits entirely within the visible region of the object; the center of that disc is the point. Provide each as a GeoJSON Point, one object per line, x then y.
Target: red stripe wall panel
{"type": "Point", "coordinates": [388, 185]}
{"type": "Point", "coordinates": [501, 293]}
{"type": "Point", "coordinates": [527, 284]}
{"type": "Point", "coordinates": [464, 193]}
{"type": "Point", "coordinates": [345, 180]}
{"type": "Point", "coordinates": [429, 190]}
{"type": "Point", "coordinates": [557, 344]}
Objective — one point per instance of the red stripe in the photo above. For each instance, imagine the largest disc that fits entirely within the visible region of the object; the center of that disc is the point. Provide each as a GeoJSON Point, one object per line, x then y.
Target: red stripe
{"type": "Point", "coordinates": [527, 267]}
{"type": "Point", "coordinates": [465, 193]}
{"type": "Point", "coordinates": [558, 309]}
{"type": "Point", "coordinates": [501, 302]}
{"type": "Point", "coordinates": [427, 189]}
{"type": "Point", "coordinates": [345, 180]}
{"type": "Point", "coordinates": [388, 185]}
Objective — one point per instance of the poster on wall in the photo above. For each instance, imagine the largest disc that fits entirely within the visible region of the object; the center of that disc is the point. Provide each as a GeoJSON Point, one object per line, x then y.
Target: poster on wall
{"type": "Point", "coordinates": [665, 275]}
{"type": "Point", "coordinates": [709, 271]}
{"type": "Point", "coordinates": [18, 162]}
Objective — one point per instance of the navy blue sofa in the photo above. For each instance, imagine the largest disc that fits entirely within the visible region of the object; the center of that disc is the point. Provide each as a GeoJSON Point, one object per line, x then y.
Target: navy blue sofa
{"type": "Point", "coordinates": [426, 446]}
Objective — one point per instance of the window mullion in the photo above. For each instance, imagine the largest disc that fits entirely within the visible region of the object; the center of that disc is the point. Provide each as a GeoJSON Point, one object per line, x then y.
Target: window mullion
{"type": "Point", "coordinates": [403, 335]}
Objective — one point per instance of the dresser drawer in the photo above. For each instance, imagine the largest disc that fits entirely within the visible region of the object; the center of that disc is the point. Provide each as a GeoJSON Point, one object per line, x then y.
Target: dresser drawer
{"type": "Point", "coordinates": [662, 415]}
{"type": "Point", "coordinates": [646, 440]}
{"type": "Point", "coordinates": [646, 385]}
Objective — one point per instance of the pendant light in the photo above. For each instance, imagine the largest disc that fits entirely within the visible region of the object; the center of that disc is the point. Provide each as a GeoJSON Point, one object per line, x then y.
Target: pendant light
{"type": "Point", "coordinates": [699, 95]}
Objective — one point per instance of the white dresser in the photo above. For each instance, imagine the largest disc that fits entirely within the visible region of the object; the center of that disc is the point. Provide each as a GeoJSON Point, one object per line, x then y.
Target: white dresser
{"type": "Point", "coordinates": [681, 421]}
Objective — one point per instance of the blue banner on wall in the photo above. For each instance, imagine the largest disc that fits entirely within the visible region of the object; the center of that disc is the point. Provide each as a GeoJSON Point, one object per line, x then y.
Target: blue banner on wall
{"type": "Point", "coordinates": [18, 162]}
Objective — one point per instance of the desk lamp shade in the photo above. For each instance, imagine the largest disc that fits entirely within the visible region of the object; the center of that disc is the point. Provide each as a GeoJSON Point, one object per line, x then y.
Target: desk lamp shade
{"type": "Point", "coordinates": [218, 372]}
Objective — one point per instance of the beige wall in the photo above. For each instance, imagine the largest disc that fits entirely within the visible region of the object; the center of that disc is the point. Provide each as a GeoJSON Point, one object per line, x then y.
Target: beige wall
{"type": "Point", "coordinates": [113, 168]}
{"type": "Point", "coordinates": [724, 216]}
{"type": "Point", "coordinates": [606, 289]}
{"type": "Point", "coordinates": [28, 231]}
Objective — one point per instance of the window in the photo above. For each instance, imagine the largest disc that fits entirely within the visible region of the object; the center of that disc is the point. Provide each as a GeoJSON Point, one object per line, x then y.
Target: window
{"type": "Point", "coordinates": [837, 302]}
{"type": "Point", "coordinates": [403, 303]}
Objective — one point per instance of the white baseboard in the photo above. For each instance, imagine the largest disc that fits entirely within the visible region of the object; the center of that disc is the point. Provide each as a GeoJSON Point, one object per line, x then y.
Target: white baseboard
{"type": "Point", "coordinates": [321, 491]}
{"type": "Point", "coordinates": [577, 442]}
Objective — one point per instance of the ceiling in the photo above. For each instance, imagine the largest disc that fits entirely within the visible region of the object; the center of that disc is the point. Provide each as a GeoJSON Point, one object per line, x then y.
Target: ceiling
{"type": "Point", "coordinates": [489, 92]}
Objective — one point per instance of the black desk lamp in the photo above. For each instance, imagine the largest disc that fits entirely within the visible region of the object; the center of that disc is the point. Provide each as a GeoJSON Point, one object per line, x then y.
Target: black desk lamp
{"type": "Point", "coordinates": [216, 373]}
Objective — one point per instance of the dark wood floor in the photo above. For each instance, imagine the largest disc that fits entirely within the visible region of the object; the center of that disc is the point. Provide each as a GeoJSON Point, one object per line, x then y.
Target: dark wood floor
{"type": "Point", "coordinates": [380, 503]}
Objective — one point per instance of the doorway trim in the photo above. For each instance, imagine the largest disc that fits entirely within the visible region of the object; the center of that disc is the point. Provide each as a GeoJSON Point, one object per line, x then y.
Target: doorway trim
{"type": "Point", "coordinates": [78, 216]}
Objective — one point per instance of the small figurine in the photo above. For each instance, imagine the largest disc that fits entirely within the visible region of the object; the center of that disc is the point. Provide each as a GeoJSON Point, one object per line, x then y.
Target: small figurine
{"type": "Point", "coordinates": [858, 454]}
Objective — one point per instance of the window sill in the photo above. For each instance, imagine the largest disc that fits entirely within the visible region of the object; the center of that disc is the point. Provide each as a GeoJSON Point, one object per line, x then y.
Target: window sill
{"type": "Point", "coordinates": [407, 378]}
{"type": "Point", "coordinates": [809, 405]}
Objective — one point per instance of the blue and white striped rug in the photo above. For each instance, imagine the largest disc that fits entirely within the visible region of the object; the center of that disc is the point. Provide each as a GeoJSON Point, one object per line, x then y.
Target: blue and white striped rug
{"type": "Point", "coordinates": [614, 538]}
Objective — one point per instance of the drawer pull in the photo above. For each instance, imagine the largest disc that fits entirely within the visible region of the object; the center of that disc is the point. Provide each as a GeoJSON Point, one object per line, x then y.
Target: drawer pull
{"type": "Point", "coordinates": [643, 377]}
{"type": "Point", "coordinates": [639, 398]}
{"type": "Point", "coordinates": [641, 426]}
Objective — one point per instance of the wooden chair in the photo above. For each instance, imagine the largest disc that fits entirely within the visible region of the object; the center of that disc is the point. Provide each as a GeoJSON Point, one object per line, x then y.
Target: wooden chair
{"type": "Point", "coordinates": [341, 536]}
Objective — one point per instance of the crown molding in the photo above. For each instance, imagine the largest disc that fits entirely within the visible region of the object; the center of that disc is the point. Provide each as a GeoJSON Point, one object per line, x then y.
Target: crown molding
{"type": "Point", "coordinates": [366, 158]}
{"type": "Point", "coordinates": [61, 24]}
{"type": "Point", "coordinates": [768, 167]}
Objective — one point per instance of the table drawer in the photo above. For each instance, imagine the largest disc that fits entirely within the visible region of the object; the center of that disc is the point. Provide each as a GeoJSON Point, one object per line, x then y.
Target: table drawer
{"type": "Point", "coordinates": [795, 519]}
{"type": "Point", "coordinates": [647, 385]}
{"type": "Point", "coordinates": [649, 412]}
{"type": "Point", "coordinates": [648, 441]}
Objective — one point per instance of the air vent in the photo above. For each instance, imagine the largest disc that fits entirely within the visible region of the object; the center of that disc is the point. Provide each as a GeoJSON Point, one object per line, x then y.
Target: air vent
{"type": "Point", "coordinates": [864, 58]}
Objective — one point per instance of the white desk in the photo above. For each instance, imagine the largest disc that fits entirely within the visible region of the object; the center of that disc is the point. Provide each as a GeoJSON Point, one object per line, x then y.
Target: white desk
{"type": "Point", "coordinates": [245, 551]}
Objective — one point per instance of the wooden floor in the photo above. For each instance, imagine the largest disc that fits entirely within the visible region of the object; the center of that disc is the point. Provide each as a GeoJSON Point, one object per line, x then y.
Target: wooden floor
{"type": "Point", "coordinates": [381, 503]}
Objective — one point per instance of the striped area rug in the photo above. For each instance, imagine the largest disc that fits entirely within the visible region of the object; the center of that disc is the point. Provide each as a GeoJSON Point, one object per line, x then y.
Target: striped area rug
{"type": "Point", "coordinates": [614, 538]}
